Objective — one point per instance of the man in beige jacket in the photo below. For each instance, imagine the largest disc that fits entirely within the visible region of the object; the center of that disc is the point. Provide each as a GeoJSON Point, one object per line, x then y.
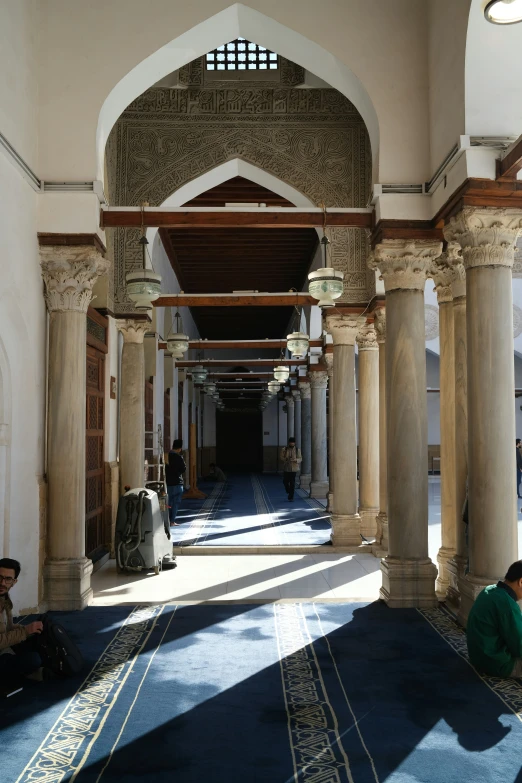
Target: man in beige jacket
{"type": "Point", "coordinates": [291, 458]}
{"type": "Point", "coordinates": [18, 658]}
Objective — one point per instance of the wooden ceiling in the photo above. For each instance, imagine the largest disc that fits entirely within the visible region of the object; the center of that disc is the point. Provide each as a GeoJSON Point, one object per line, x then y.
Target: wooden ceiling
{"type": "Point", "coordinates": [222, 260]}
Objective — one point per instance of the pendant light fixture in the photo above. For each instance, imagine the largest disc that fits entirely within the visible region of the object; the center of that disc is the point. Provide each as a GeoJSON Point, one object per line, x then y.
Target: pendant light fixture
{"type": "Point", "coordinates": [297, 342]}
{"type": "Point", "coordinates": [199, 374]}
{"type": "Point", "coordinates": [281, 373]}
{"type": "Point", "coordinates": [143, 286]}
{"type": "Point", "coordinates": [274, 386]}
{"type": "Point", "coordinates": [177, 342]}
{"type": "Point", "coordinates": [504, 11]}
{"type": "Point", "coordinates": [325, 284]}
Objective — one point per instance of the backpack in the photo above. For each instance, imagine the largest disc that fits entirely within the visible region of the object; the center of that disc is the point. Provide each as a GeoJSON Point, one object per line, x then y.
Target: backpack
{"type": "Point", "coordinates": [58, 652]}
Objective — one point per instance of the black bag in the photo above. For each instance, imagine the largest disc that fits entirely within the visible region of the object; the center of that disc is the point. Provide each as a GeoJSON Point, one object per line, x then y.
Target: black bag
{"type": "Point", "coordinates": [58, 652]}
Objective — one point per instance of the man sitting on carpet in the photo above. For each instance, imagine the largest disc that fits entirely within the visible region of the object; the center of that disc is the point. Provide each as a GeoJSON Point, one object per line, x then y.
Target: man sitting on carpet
{"type": "Point", "coordinates": [216, 474]}
{"type": "Point", "coordinates": [494, 627]}
{"type": "Point", "coordinates": [18, 657]}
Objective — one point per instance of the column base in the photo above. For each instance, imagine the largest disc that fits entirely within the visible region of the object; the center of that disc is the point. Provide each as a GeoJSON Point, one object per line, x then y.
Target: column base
{"type": "Point", "coordinates": [329, 501]}
{"type": "Point", "coordinates": [305, 481]}
{"type": "Point", "coordinates": [319, 489]}
{"type": "Point", "coordinates": [382, 530]}
{"type": "Point", "coordinates": [469, 587]}
{"type": "Point", "coordinates": [408, 583]}
{"type": "Point", "coordinates": [369, 521]}
{"type": "Point", "coordinates": [346, 530]}
{"type": "Point", "coordinates": [442, 584]}
{"type": "Point", "coordinates": [68, 584]}
{"type": "Point", "coordinates": [456, 569]}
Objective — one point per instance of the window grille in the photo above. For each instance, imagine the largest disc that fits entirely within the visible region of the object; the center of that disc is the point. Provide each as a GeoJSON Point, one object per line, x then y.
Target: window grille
{"type": "Point", "coordinates": [241, 55]}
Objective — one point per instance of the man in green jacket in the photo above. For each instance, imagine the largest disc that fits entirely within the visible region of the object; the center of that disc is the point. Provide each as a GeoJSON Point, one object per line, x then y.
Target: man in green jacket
{"type": "Point", "coordinates": [494, 627]}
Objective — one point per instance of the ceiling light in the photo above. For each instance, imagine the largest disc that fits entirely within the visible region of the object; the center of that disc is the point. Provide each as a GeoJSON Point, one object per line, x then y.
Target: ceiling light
{"type": "Point", "coordinates": [326, 284]}
{"type": "Point", "coordinates": [143, 287]}
{"type": "Point", "coordinates": [282, 373]}
{"type": "Point", "coordinates": [504, 11]}
{"type": "Point", "coordinates": [177, 342]}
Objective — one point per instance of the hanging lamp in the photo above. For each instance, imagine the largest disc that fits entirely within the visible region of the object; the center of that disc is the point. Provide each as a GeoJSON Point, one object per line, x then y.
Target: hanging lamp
{"type": "Point", "coordinates": [297, 342]}
{"type": "Point", "coordinates": [504, 11]}
{"type": "Point", "coordinates": [177, 342]}
{"type": "Point", "coordinates": [199, 374]}
{"type": "Point", "coordinates": [143, 287]}
{"type": "Point", "coordinates": [281, 373]}
{"type": "Point", "coordinates": [325, 284]}
{"type": "Point", "coordinates": [274, 386]}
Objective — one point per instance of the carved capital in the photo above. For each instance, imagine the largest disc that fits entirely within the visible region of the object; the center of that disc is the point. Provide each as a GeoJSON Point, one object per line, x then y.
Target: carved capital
{"type": "Point", "coordinates": [69, 274]}
{"type": "Point", "coordinates": [444, 272]}
{"type": "Point", "coordinates": [304, 388]}
{"type": "Point", "coordinates": [133, 331]}
{"type": "Point", "coordinates": [367, 338]}
{"type": "Point", "coordinates": [296, 394]}
{"type": "Point", "coordinates": [380, 325]}
{"type": "Point", "coordinates": [344, 328]}
{"type": "Point", "coordinates": [487, 235]}
{"type": "Point", "coordinates": [405, 264]}
{"type": "Point", "coordinates": [329, 359]}
{"type": "Point", "coordinates": [289, 400]}
{"type": "Point", "coordinates": [319, 379]}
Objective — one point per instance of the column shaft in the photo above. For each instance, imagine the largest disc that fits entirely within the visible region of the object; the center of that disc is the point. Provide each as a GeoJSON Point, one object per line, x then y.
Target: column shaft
{"type": "Point", "coordinates": [290, 417]}
{"type": "Point", "coordinates": [297, 417]}
{"type": "Point", "coordinates": [329, 363]}
{"type": "Point", "coordinates": [381, 539]}
{"type": "Point", "coordinates": [319, 482]}
{"type": "Point", "coordinates": [132, 405]}
{"type": "Point", "coordinates": [69, 273]}
{"type": "Point", "coordinates": [368, 430]}
{"type": "Point", "coordinates": [408, 573]}
{"type": "Point", "coordinates": [306, 434]}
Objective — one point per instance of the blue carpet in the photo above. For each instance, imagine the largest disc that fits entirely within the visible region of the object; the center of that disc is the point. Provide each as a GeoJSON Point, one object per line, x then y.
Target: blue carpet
{"type": "Point", "coordinates": [352, 693]}
{"type": "Point", "coordinates": [251, 510]}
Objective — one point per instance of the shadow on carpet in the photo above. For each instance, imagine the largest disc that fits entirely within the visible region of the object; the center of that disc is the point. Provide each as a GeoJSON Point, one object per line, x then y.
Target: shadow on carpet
{"type": "Point", "coordinates": [276, 693]}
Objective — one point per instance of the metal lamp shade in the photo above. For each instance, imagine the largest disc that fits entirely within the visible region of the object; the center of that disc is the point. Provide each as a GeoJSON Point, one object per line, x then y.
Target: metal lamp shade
{"type": "Point", "coordinates": [297, 344]}
{"type": "Point", "coordinates": [326, 285]}
{"type": "Point", "coordinates": [143, 288]}
{"type": "Point", "coordinates": [282, 373]}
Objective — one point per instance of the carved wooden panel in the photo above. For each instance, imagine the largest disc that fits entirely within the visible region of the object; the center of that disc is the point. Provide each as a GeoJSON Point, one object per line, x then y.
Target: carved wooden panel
{"type": "Point", "coordinates": [95, 473]}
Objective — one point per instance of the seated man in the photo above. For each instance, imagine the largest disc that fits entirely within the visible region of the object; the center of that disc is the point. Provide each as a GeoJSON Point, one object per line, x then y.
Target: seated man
{"type": "Point", "coordinates": [494, 628]}
{"type": "Point", "coordinates": [18, 656]}
{"type": "Point", "coordinates": [216, 474]}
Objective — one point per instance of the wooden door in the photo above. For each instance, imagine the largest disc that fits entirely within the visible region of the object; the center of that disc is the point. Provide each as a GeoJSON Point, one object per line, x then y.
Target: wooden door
{"type": "Point", "coordinates": [95, 478]}
{"type": "Point", "coordinates": [149, 420]}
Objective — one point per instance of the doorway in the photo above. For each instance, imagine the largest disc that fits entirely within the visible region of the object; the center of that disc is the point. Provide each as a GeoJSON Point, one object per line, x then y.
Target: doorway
{"type": "Point", "coordinates": [239, 441]}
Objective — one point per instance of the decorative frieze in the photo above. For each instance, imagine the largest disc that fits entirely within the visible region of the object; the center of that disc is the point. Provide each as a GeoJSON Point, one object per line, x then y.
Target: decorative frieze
{"type": "Point", "coordinates": [405, 264]}
{"type": "Point", "coordinates": [69, 274]}
{"type": "Point", "coordinates": [487, 235]}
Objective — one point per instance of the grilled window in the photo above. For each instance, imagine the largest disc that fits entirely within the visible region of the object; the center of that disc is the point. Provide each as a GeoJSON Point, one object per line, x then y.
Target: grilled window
{"type": "Point", "coordinates": [241, 55]}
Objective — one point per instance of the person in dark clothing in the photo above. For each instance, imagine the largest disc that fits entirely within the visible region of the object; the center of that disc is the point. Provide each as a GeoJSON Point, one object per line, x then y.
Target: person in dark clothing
{"type": "Point", "coordinates": [18, 655]}
{"type": "Point", "coordinates": [174, 470]}
{"type": "Point", "coordinates": [291, 458]}
{"type": "Point", "coordinates": [494, 627]}
{"type": "Point", "coordinates": [519, 465]}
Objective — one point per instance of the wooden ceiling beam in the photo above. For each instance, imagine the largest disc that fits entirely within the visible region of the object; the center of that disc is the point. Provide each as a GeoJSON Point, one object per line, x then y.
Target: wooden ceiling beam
{"type": "Point", "coordinates": [511, 163]}
{"type": "Point", "coordinates": [229, 217]}
{"type": "Point", "coordinates": [234, 300]}
{"type": "Point", "coordinates": [216, 345]}
{"type": "Point", "coordinates": [243, 362]}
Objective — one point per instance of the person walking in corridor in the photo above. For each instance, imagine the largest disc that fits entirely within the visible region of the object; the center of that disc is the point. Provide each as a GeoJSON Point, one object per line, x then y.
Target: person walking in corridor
{"type": "Point", "coordinates": [174, 471]}
{"type": "Point", "coordinates": [291, 458]}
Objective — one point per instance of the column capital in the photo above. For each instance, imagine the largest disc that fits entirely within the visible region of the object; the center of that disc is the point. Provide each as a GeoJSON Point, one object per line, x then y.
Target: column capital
{"type": "Point", "coordinates": [404, 263]}
{"type": "Point", "coordinates": [133, 331]}
{"type": "Point", "coordinates": [305, 390]}
{"type": "Point", "coordinates": [380, 325]}
{"type": "Point", "coordinates": [289, 399]}
{"type": "Point", "coordinates": [344, 328]}
{"type": "Point", "coordinates": [329, 359]}
{"type": "Point", "coordinates": [69, 274]}
{"type": "Point", "coordinates": [444, 272]}
{"type": "Point", "coordinates": [318, 379]}
{"type": "Point", "coordinates": [367, 338]}
{"type": "Point", "coordinates": [296, 394]}
{"type": "Point", "coordinates": [487, 235]}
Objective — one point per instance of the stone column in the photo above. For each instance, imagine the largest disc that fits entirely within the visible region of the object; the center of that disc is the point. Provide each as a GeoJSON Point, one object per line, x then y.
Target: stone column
{"type": "Point", "coordinates": [290, 417]}
{"type": "Point", "coordinates": [69, 274]}
{"type": "Point", "coordinates": [346, 522]}
{"type": "Point", "coordinates": [296, 394]}
{"type": "Point", "coordinates": [132, 404]}
{"type": "Point", "coordinates": [457, 566]}
{"type": "Point", "coordinates": [408, 573]}
{"type": "Point", "coordinates": [328, 357]}
{"type": "Point", "coordinates": [381, 537]}
{"type": "Point", "coordinates": [306, 433]}
{"type": "Point", "coordinates": [443, 273]}
{"type": "Point", "coordinates": [487, 236]}
{"type": "Point", "coordinates": [319, 483]}
{"type": "Point", "coordinates": [368, 429]}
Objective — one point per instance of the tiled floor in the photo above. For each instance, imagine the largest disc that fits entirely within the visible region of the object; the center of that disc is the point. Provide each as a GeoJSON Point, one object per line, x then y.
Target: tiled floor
{"type": "Point", "coordinates": [242, 578]}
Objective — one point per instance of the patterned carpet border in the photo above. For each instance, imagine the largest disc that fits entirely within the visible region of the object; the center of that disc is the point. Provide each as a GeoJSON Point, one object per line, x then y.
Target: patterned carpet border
{"type": "Point", "coordinates": [508, 690]}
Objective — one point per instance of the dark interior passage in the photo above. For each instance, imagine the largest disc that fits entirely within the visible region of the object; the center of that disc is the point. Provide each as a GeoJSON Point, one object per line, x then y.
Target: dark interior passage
{"type": "Point", "coordinates": [239, 441]}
